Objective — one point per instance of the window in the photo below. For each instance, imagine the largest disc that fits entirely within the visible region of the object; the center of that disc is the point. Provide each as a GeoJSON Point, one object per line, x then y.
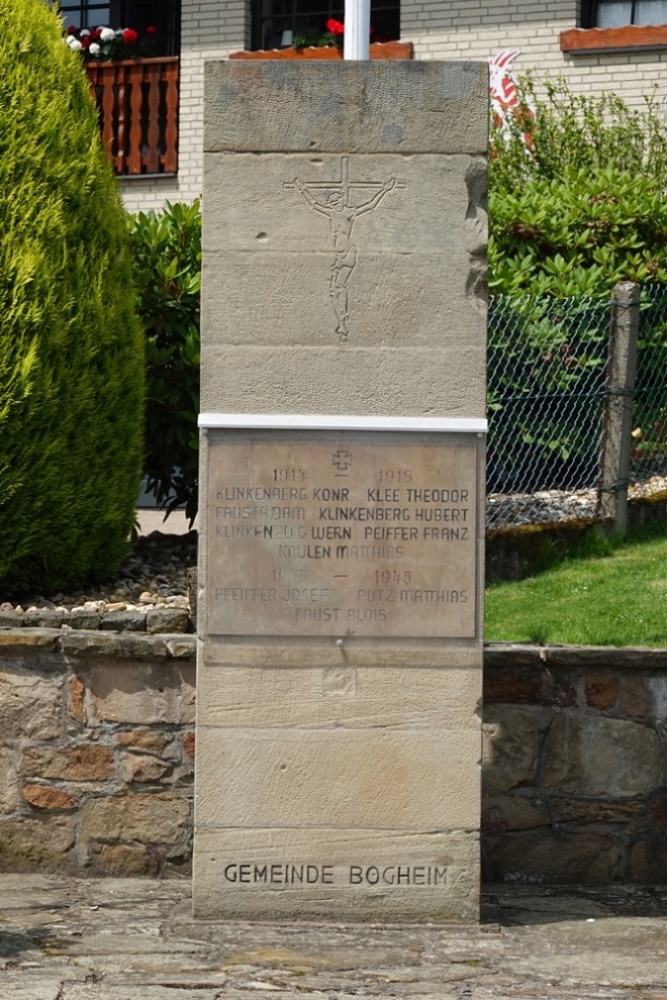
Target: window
{"type": "Point", "coordinates": [275, 22]}
{"type": "Point", "coordinates": [165, 15]}
{"type": "Point", "coordinates": [88, 14]}
{"type": "Point", "coordinates": [619, 13]}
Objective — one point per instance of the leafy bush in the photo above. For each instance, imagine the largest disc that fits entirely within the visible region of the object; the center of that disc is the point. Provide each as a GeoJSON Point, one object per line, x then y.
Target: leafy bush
{"type": "Point", "coordinates": [575, 205]}
{"type": "Point", "coordinates": [546, 362]}
{"type": "Point", "coordinates": [576, 195]}
{"type": "Point", "coordinates": [71, 349]}
{"type": "Point", "coordinates": [167, 263]}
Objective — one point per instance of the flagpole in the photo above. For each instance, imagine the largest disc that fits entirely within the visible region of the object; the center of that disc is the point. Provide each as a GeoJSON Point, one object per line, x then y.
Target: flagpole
{"type": "Point", "coordinates": [357, 29]}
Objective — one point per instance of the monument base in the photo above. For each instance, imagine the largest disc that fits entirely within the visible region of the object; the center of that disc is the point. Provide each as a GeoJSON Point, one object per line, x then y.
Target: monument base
{"type": "Point", "coordinates": [396, 877]}
{"type": "Point", "coordinates": [338, 739]}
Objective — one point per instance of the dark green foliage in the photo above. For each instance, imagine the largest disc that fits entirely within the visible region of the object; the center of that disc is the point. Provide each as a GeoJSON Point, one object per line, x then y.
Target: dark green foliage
{"type": "Point", "coordinates": [573, 209]}
{"type": "Point", "coordinates": [167, 263]}
{"type": "Point", "coordinates": [71, 349]}
{"type": "Point", "coordinates": [546, 361]}
{"type": "Point", "coordinates": [580, 206]}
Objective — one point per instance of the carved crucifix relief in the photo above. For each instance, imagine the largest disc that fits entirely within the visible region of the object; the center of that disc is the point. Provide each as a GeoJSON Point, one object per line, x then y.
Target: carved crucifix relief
{"type": "Point", "coordinates": [336, 200]}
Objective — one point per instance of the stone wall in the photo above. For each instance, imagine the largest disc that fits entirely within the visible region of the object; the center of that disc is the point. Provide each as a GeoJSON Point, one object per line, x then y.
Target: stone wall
{"type": "Point", "coordinates": [97, 752]}
{"type": "Point", "coordinates": [575, 757]}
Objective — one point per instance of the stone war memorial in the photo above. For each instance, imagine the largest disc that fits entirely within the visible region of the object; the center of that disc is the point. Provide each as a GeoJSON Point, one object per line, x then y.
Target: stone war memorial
{"type": "Point", "coordinates": [341, 492]}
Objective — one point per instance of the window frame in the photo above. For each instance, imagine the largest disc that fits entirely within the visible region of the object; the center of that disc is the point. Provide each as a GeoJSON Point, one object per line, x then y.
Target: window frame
{"type": "Point", "coordinates": [87, 9]}
{"type": "Point", "coordinates": [589, 15]}
{"type": "Point", "coordinates": [328, 8]}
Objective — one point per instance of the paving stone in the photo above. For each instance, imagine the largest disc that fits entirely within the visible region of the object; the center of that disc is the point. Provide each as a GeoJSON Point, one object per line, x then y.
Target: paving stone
{"type": "Point", "coordinates": [127, 938]}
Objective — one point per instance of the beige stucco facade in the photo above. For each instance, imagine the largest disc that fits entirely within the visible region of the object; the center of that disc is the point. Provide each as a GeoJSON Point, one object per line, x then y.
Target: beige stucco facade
{"type": "Point", "coordinates": [211, 29]}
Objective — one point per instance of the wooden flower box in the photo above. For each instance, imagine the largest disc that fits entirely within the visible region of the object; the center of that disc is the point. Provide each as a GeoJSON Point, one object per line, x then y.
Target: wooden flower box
{"type": "Point", "coordinates": [378, 50]}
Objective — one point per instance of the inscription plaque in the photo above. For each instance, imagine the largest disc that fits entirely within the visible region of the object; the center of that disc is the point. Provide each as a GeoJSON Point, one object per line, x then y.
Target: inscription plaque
{"type": "Point", "coordinates": [342, 534]}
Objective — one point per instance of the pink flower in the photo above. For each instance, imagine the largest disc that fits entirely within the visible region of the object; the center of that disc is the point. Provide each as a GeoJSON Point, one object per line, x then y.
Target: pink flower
{"type": "Point", "coordinates": [335, 27]}
{"type": "Point", "coordinates": [130, 36]}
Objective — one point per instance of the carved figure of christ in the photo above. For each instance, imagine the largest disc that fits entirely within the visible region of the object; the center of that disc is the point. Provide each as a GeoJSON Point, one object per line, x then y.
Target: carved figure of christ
{"type": "Point", "coordinates": [333, 200]}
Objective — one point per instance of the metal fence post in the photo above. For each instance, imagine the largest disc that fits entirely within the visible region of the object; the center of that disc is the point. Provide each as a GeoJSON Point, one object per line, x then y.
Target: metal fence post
{"type": "Point", "coordinates": [617, 419]}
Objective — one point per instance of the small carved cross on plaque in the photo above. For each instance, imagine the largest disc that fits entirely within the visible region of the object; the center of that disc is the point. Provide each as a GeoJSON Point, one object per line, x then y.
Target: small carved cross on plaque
{"type": "Point", "coordinates": [335, 199]}
{"type": "Point", "coordinates": [342, 460]}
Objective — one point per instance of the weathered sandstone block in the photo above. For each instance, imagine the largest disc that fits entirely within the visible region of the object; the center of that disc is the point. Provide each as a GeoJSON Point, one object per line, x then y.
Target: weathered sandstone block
{"type": "Point", "coordinates": [510, 747]}
{"type": "Point", "coordinates": [150, 819]}
{"type": "Point", "coordinates": [142, 692]}
{"type": "Point", "coordinates": [29, 706]}
{"type": "Point", "coordinates": [591, 755]}
{"type": "Point", "coordinates": [77, 763]}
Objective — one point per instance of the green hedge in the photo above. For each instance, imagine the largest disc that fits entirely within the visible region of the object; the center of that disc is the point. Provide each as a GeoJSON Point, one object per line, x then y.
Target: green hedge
{"type": "Point", "coordinates": [71, 348]}
{"type": "Point", "coordinates": [167, 272]}
{"type": "Point", "coordinates": [576, 194]}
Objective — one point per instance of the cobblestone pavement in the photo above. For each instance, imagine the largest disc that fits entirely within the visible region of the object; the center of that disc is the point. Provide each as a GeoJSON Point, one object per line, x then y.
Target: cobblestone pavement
{"type": "Point", "coordinates": [134, 939]}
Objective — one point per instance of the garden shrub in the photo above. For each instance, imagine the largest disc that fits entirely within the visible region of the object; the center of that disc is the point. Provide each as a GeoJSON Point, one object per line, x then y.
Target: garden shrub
{"type": "Point", "coordinates": [575, 205]}
{"type": "Point", "coordinates": [167, 264]}
{"type": "Point", "coordinates": [71, 348]}
{"type": "Point", "coordinates": [576, 195]}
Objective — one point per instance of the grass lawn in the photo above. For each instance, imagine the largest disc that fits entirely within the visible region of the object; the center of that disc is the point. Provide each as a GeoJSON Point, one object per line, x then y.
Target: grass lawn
{"type": "Point", "coordinates": [618, 598]}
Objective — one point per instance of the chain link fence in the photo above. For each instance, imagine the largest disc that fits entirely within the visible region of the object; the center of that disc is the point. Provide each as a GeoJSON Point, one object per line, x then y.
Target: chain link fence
{"type": "Point", "coordinates": [648, 452]}
{"type": "Point", "coordinates": [549, 393]}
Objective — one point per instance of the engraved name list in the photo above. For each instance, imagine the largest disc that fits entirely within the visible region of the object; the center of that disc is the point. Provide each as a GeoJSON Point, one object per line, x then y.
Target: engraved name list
{"type": "Point", "coordinates": [339, 534]}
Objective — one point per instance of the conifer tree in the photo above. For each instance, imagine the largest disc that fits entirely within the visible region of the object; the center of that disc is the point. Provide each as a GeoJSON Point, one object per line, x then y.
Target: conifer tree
{"type": "Point", "coordinates": [71, 348]}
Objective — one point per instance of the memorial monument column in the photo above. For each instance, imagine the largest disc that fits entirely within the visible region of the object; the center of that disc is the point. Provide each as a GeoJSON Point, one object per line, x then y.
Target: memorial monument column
{"type": "Point", "coordinates": [341, 491]}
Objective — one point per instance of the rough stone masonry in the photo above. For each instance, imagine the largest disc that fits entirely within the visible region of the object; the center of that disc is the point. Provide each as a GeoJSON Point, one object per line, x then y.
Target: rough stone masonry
{"type": "Point", "coordinates": [341, 539]}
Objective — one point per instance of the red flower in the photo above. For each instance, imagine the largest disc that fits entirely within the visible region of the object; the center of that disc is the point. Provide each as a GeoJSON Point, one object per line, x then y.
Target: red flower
{"type": "Point", "coordinates": [130, 36]}
{"type": "Point", "coordinates": [95, 34]}
{"type": "Point", "coordinates": [151, 30]}
{"type": "Point", "coordinates": [335, 27]}
{"type": "Point", "coordinates": [71, 30]}
{"type": "Point", "coordinates": [85, 41]}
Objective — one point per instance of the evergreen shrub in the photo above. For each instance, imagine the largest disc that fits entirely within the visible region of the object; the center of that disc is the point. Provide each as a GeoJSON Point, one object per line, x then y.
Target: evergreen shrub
{"type": "Point", "coordinates": [576, 204]}
{"type": "Point", "coordinates": [576, 195]}
{"type": "Point", "coordinates": [167, 273]}
{"type": "Point", "coordinates": [71, 348]}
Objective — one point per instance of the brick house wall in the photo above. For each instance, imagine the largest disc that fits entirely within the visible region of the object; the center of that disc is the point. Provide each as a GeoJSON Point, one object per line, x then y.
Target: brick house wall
{"type": "Point", "coordinates": [212, 29]}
